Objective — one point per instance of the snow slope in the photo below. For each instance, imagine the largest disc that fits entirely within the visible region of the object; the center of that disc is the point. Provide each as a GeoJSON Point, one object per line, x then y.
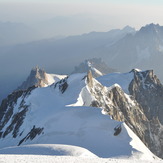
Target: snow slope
{"type": "Point", "coordinates": [53, 78]}
{"type": "Point", "coordinates": [122, 79]}
{"type": "Point", "coordinates": [64, 122]}
{"type": "Point", "coordinates": [48, 149]}
{"type": "Point", "coordinates": [51, 153]}
{"type": "Point", "coordinates": [95, 65]}
{"type": "Point", "coordinates": [66, 159]}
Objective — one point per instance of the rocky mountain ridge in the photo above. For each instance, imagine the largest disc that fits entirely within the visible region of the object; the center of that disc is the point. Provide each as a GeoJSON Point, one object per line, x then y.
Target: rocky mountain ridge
{"type": "Point", "coordinates": [143, 114]}
{"type": "Point", "coordinates": [140, 109]}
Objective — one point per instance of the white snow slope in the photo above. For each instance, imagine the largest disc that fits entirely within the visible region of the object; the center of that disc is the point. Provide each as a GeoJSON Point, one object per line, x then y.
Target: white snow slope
{"type": "Point", "coordinates": [65, 123]}
{"type": "Point", "coordinates": [65, 159]}
{"type": "Point", "coordinates": [48, 149]}
{"type": "Point", "coordinates": [53, 78]}
{"type": "Point", "coordinates": [122, 79]}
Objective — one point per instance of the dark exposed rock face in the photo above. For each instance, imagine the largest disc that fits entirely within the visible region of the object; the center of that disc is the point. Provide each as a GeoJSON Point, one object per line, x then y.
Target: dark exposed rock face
{"type": "Point", "coordinates": [16, 119]}
{"type": "Point", "coordinates": [117, 130]}
{"type": "Point", "coordinates": [6, 108]}
{"type": "Point", "coordinates": [148, 92]}
{"type": "Point", "coordinates": [32, 134]}
{"type": "Point", "coordinates": [62, 85]}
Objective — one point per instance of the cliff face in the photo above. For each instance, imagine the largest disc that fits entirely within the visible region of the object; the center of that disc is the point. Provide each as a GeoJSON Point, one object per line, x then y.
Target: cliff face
{"type": "Point", "coordinates": [148, 92]}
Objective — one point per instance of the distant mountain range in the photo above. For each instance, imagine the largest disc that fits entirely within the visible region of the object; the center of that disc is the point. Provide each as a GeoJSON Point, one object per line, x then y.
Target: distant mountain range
{"type": "Point", "coordinates": [121, 50]}
{"type": "Point", "coordinates": [143, 49]}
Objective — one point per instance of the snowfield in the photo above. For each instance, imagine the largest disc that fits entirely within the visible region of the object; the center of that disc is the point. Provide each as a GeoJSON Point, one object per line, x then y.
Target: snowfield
{"type": "Point", "coordinates": [72, 132]}
{"type": "Point", "coordinates": [53, 78]}
{"type": "Point", "coordinates": [122, 79]}
{"type": "Point", "coordinates": [48, 149]}
{"type": "Point", "coordinates": [41, 153]}
{"type": "Point", "coordinates": [66, 159]}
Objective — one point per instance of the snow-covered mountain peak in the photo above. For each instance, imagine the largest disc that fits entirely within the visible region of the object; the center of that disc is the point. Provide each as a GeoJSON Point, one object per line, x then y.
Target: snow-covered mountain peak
{"type": "Point", "coordinates": [96, 65]}
{"type": "Point", "coordinates": [135, 70]}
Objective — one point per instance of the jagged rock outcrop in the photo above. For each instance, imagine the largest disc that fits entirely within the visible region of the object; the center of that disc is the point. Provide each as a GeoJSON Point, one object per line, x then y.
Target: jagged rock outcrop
{"type": "Point", "coordinates": [37, 77]}
{"type": "Point", "coordinates": [148, 92]}
{"type": "Point", "coordinates": [141, 109]}
{"type": "Point", "coordinates": [32, 134]}
{"type": "Point", "coordinates": [119, 105]}
{"type": "Point", "coordinates": [62, 85]}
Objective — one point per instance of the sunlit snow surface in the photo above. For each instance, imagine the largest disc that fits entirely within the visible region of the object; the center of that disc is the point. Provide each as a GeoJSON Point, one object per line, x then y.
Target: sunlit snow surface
{"type": "Point", "coordinates": [65, 159]}
{"type": "Point", "coordinates": [53, 78]}
{"type": "Point", "coordinates": [48, 149]}
{"type": "Point", "coordinates": [65, 123]}
{"type": "Point", "coordinates": [122, 79]}
{"type": "Point", "coordinates": [51, 153]}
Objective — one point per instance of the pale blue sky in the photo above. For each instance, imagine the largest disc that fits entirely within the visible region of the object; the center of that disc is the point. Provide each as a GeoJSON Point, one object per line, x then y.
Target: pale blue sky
{"type": "Point", "coordinates": [100, 15]}
{"type": "Point", "coordinates": [147, 2]}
